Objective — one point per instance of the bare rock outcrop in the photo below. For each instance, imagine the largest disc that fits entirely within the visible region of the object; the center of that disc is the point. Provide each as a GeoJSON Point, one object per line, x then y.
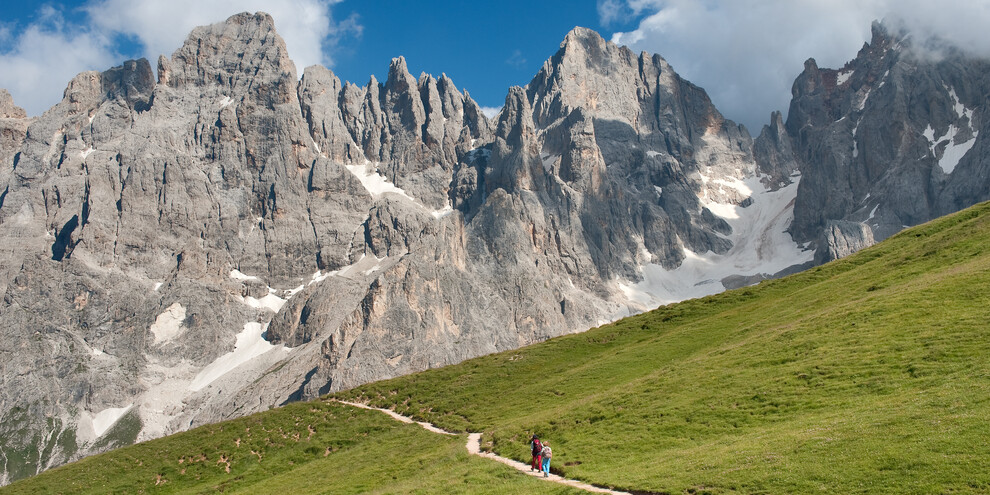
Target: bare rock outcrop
{"type": "Point", "coordinates": [894, 138]}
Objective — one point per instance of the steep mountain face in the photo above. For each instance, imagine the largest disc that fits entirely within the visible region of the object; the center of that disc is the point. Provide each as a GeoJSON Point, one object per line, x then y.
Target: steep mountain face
{"type": "Point", "coordinates": [894, 138]}
{"type": "Point", "coordinates": [224, 236]}
{"type": "Point", "coordinates": [13, 130]}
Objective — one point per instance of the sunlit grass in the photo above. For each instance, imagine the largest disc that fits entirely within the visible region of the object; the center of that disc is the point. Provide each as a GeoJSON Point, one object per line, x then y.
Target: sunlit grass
{"type": "Point", "coordinates": [866, 375]}
{"type": "Point", "coordinates": [315, 447]}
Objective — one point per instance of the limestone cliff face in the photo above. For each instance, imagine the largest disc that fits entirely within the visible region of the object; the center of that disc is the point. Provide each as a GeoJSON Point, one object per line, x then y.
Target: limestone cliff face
{"type": "Point", "coordinates": [635, 144]}
{"type": "Point", "coordinates": [13, 130]}
{"type": "Point", "coordinates": [893, 139]}
{"type": "Point", "coordinates": [131, 197]}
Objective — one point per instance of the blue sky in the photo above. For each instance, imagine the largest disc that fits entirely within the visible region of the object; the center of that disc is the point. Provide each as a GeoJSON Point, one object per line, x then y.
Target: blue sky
{"type": "Point", "coordinates": [745, 53]}
{"type": "Point", "coordinates": [483, 46]}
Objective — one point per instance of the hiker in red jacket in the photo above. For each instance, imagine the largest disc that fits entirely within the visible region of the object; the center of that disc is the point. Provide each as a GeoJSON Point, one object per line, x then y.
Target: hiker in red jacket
{"type": "Point", "coordinates": [537, 448]}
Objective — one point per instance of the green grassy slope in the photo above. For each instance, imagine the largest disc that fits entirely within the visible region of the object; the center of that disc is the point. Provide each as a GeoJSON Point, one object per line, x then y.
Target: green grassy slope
{"type": "Point", "coordinates": [868, 375]}
{"type": "Point", "coordinates": [314, 447]}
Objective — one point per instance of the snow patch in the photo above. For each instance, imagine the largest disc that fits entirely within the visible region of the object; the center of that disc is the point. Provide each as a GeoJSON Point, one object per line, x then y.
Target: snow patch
{"type": "Point", "coordinates": [549, 160]}
{"type": "Point", "coordinates": [652, 154]}
{"type": "Point", "coordinates": [103, 420]}
{"type": "Point", "coordinates": [86, 152]}
{"type": "Point", "coordinates": [873, 213]}
{"type": "Point", "coordinates": [659, 190]}
{"type": "Point", "coordinates": [158, 285]}
{"type": "Point", "coordinates": [249, 344]}
{"type": "Point", "coordinates": [883, 79]}
{"type": "Point", "coordinates": [855, 142]}
{"type": "Point", "coordinates": [270, 302]}
{"type": "Point", "coordinates": [446, 210]}
{"type": "Point", "coordinates": [760, 244]}
{"type": "Point", "coordinates": [237, 275]}
{"type": "Point", "coordinates": [373, 181]}
{"type": "Point", "coordinates": [365, 267]}
{"type": "Point", "coordinates": [842, 77]}
{"type": "Point", "coordinates": [735, 183]}
{"type": "Point", "coordinates": [862, 103]}
{"type": "Point", "coordinates": [960, 109]}
{"type": "Point", "coordinates": [168, 325]}
{"type": "Point", "coordinates": [319, 276]}
{"type": "Point", "coordinates": [226, 101]}
{"type": "Point", "coordinates": [292, 292]}
{"type": "Point", "coordinates": [954, 151]}
{"type": "Point", "coordinates": [724, 210]}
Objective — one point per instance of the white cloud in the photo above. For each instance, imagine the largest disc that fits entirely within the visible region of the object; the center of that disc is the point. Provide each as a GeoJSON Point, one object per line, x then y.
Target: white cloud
{"type": "Point", "coordinates": [47, 54]}
{"type": "Point", "coordinates": [746, 53]}
{"type": "Point", "coordinates": [610, 10]}
{"type": "Point", "coordinates": [42, 59]}
{"type": "Point", "coordinates": [306, 25]}
{"type": "Point", "coordinates": [491, 112]}
{"type": "Point", "coordinates": [516, 59]}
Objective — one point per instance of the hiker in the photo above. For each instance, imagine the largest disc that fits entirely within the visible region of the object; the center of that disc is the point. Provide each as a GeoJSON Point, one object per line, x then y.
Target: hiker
{"type": "Point", "coordinates": [546, 453]}
{"type": "Point", "coordinates": [537, 448]}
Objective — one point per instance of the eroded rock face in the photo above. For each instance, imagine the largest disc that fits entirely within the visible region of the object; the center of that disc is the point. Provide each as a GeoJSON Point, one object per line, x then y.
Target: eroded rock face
{"type": "Point", "coordinates": [133, 199]}
{"type": "Point", "coordinates": [13, 130]}
{"type": "Point", "coordinates": [842, 238]}
{"type": "Point", "coordinates": [893, 139]}
{"type": "Point", "coordinates": [637, 143]}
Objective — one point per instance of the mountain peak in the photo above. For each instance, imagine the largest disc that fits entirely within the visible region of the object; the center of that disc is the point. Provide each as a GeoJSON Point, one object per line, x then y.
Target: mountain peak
{"type": "Point", "coordinates": [398, 67]}
{"type": "Point", "coordinates": [8, 109]}
{"type": "Point", "coordinates": [241, 49]}
{"type": "Point", "coordinates": [260, 19]}
{"type": "Point", "coordinates": [582, 43]}
{"type": "Point", "coordinates": [399, 79]}
{"type": "Point", "coordinates": [884, 35]}
{"type": "Point", "coordinates": [582, 35]}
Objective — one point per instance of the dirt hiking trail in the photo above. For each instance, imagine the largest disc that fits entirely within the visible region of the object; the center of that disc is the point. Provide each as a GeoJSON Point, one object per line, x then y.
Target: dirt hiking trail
{"type": "Point", "coordinates": [474, 448]}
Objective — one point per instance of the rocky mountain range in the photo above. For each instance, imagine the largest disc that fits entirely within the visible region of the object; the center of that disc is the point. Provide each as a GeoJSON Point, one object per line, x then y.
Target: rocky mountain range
{"type": "Point", "coordinates": [220, 236]}
{"type": "Point", "coordinates": [890, 140]}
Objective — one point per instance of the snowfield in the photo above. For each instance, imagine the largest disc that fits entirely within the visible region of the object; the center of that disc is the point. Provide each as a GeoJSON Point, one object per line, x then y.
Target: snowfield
{"type": "Point", "coordinates": [760, 245]}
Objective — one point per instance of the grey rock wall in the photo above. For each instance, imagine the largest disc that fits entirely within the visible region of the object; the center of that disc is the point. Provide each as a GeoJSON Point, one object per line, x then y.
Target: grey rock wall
{"type": "Point", "coordinates": [893, 139]}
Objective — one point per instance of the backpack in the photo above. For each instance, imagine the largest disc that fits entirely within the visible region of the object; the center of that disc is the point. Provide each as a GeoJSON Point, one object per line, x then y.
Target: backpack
{"type": "Point", "coordinates": [547, 453]}
{"type": "Point", "coordinates": [537, 447]}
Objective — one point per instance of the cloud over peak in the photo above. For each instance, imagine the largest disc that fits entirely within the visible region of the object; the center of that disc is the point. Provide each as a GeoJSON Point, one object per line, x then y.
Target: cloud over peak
{"type": "Point", "coordinates": [746, 53]}
{"type": "Point", "coordinates": [39, 60]}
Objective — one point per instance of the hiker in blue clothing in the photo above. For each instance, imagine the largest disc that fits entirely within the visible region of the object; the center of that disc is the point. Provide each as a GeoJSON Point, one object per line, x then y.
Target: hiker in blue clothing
{"type": "Point", "coordinates": [546, 454]}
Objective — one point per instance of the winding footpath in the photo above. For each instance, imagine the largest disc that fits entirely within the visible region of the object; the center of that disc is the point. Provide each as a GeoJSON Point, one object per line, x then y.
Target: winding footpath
{"type": "Point", "coordinates": [474, 448]}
